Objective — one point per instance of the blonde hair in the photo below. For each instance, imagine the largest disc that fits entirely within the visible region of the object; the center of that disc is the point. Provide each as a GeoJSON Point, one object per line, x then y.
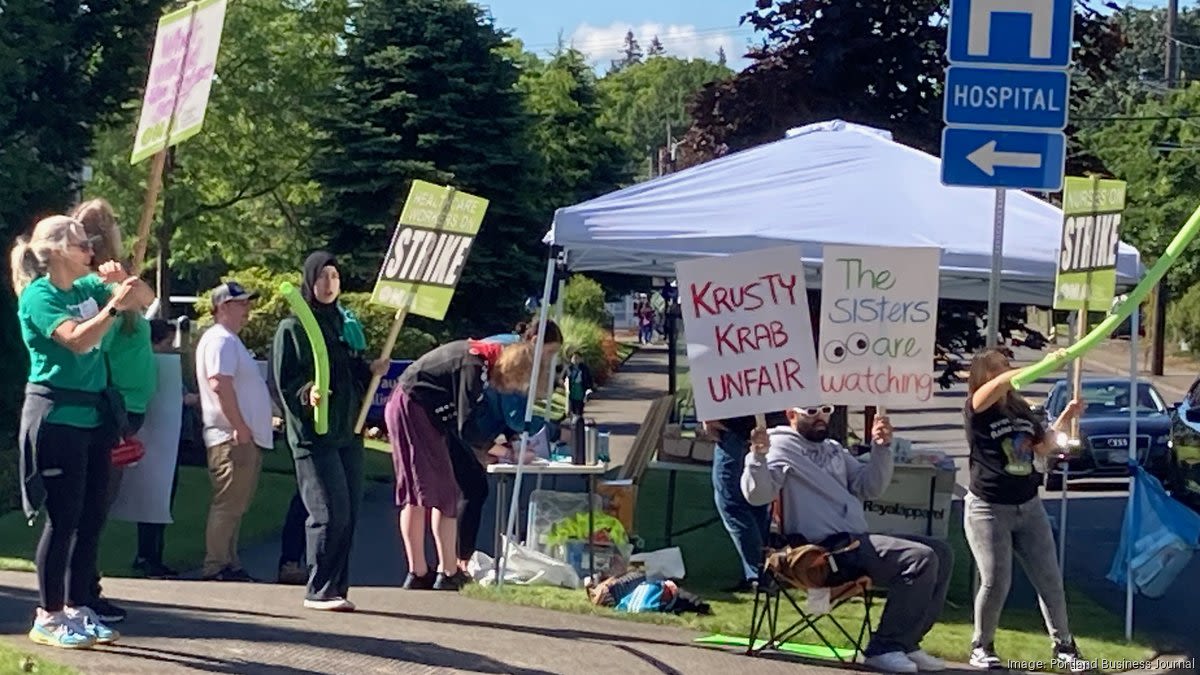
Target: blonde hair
{"type": "Point", "coordinates": [100, 222]}
{"type": "Point", "coordinates": [513, 367]}
{"type": "Point", "coordinates": [30, 256]}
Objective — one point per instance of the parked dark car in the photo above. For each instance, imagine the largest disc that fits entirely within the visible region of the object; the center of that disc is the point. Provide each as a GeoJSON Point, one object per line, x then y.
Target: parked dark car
{"type": "Point", "coordinates": [1184, 476]}
{"type": "Point", "coordinates": [1104, 429]}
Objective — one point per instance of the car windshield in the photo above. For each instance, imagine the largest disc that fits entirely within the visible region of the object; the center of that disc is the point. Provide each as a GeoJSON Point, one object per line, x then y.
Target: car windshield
{"type": "Point", "coordinates": [1112, 398]}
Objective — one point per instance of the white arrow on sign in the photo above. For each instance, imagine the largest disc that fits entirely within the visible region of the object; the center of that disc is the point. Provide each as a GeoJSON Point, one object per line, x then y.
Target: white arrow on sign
{"type": "Point", "coordinates": [987, 158]}
{"type": "Point", "coordinates": [1041, 13]}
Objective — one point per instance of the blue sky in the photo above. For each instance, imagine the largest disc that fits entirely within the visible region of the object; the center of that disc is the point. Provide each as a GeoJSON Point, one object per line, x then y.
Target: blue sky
{"type": "Point", "coordinates": [687, 28]}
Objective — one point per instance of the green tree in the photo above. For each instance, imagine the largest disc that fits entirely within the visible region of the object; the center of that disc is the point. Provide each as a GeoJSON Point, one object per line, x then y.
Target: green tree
{"type": "Point", "coordinates": [424, 91]}
{"type": "Point", "coordinates": [578, 157]}
{"type": "Point", "coordinates": [641, 101]}
{"type": "Point", "coordinates": [1156, 153]}
{"type": "Point", "coordinates": [631, 53]}
{"type": "Point", "coordinates": [63, 66]}
{"type": "Point", "coordinates": [880, 64]}
{"type": "Point", "coordinates": [239, 193]}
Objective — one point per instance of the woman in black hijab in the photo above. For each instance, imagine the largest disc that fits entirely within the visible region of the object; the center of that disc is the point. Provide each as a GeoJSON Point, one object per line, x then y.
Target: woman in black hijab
{"type": "Point", "coordinates": [328, 466]}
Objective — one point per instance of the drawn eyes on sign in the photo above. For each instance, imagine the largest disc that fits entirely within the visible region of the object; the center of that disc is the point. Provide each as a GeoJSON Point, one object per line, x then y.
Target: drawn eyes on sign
{"type": "Point", "coordinates": [856, 344]}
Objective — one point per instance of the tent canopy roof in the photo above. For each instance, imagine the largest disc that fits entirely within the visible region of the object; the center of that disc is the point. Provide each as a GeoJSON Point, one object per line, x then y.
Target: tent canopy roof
{"type": "Point", "coordinates": [826, 183]}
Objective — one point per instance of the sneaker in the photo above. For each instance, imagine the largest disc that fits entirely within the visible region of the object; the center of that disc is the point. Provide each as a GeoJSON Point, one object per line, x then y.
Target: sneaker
{"type": "Point", "coordinates": [926, 662]}
{"type": "Point", "coordinates": [154, 570]}
{"type": "Point", "coordinates": [984, 657]}
{"type": "Point", "coordinates": [418, 583]}
{"type": "Point", "coordinates": [56, 630]}
{"type": "Point", "coordinates": [106, 611]}
{"type": "Point", "coordinates": [1068, 658]}
{"type": "Point", "coordinates": [92, 624]}
{"type": "Point", "coordinates": [292, 574]}
{"type": "Point", "coordinates": [229, 574]}
{"type": "Point", "coordinates": [891, 662]}
{"type": "Point", "coordinates": [330, 605]}
{"type": "Point", "coordinates": [446, 582]}
{"type": "Point", "coordinates": [462, 578]}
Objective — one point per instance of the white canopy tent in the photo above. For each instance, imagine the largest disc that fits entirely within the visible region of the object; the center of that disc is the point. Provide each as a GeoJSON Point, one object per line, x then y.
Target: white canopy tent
{"type": "Point", "coordinates": [826, 183]}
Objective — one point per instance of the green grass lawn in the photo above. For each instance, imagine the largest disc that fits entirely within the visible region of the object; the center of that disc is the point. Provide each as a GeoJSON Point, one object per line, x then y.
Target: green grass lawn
{"type": "Point", "coordinates": [185, 540]}
{"type": "Point", "coordinates": [712, 564]}
{"type": "Point", "coordinates": [14, 660]}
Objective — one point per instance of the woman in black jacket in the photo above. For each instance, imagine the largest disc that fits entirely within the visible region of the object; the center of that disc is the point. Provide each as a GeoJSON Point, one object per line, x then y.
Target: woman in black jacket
{"type": "Point", "coordinates": [328, 466]}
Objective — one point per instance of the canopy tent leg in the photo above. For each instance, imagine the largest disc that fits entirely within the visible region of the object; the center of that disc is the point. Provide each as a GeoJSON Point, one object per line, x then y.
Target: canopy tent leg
{"type": "Point", "coordinates": [1134, 328]}
{"type": "Point", "coordinates": [534, 374]}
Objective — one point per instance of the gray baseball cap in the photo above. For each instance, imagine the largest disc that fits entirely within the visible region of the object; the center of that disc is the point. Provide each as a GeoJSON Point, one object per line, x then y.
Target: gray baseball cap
{"type": "Point", "coordinates": [230, 291]}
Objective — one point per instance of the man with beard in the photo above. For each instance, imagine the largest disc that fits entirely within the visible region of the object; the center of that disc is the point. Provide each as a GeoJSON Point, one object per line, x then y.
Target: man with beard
{"type": "Point", "coordinates": [822, 486]}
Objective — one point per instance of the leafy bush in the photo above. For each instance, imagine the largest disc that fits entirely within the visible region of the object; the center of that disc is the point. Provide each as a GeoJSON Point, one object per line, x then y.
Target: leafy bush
{"type": "Point", "coordinates": [584, 299]}
{"type": "Point", "coordinates": [271, 308]}
{"type": "Point", "coordinates": [1183, 318]}
{"type": "Point", "coordinates": [595, 346]}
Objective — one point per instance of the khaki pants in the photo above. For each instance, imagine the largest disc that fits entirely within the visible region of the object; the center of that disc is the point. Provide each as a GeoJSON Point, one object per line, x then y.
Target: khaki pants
{"type": "Point", "coordinates": [234, 473]}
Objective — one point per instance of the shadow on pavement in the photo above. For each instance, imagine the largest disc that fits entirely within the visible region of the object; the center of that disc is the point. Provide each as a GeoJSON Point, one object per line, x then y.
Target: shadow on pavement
{"type": "Point", "coordinates": [167, 621]}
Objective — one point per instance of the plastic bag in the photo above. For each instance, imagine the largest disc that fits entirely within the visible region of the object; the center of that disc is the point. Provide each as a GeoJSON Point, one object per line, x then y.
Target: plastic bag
{"type": "Point", "coordinates": [525, 567]}
{"type": "Point", "coordinates": [1162, 533]}
{"type": "Point", "coordinates": [666, 563]}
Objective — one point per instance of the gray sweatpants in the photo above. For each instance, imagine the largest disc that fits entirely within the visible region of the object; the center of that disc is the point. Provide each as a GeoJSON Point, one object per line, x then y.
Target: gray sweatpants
{"type": "Point", "coordinates": [995, 533]}
{"type": "Point", "coordinates": [916, 573]}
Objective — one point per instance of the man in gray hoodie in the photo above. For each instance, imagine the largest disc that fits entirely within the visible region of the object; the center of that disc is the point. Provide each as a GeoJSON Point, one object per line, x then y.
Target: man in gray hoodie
{"type": "Point", "coordinates": [823, 487]}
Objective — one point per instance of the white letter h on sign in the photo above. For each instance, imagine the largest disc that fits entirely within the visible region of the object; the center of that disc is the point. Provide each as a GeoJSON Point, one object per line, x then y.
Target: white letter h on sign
{"type": "Point", "coordinates": [1041, 11]}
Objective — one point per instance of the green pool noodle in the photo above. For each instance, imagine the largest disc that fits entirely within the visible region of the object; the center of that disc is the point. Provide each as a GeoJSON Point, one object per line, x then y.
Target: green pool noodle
{"type": "Point", "coordinates": [1122, 312]}
{"type": "Point", "coordinates": [320, 355]}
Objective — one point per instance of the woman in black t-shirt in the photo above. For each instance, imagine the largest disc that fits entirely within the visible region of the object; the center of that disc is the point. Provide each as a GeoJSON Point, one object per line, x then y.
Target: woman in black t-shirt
{"type": "Point", "coordinates": [1003, 513]}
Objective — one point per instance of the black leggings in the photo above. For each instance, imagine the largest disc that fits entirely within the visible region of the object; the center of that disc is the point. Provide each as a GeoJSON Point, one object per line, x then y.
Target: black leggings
{"type": "Point", "coordinates": [473, 483]}
{"type": "Point", "coordinates": [74, 466]}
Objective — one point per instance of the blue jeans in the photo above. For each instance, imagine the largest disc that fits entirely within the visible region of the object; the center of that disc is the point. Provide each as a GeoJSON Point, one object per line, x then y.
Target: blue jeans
{"type": "Point", "coordinates": [748, 526]}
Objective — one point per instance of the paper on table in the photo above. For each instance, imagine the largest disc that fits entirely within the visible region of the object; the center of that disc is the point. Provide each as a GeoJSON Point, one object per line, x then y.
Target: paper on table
{"type": "Point", "coordinates": [539, 445]}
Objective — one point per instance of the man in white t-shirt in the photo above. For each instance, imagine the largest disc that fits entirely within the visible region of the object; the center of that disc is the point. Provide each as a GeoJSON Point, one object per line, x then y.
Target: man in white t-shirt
{"type": "Point", "coordinates": [236, 407]}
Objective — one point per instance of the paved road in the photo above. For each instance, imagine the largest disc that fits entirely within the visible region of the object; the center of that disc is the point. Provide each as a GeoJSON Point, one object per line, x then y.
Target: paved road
{"type": "Point", "coordinates": [253, 629]}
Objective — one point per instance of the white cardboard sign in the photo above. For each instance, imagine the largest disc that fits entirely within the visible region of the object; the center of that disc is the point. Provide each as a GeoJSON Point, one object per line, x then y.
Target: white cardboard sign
{"type": "Point", "coordinates": [878, 325]}
{"type": "Point", "coordinates": [750, 342]}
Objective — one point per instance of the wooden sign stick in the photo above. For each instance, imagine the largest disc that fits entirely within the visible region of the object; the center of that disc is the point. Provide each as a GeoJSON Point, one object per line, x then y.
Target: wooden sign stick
{"type": "Point", "coordinates": [388, 346]}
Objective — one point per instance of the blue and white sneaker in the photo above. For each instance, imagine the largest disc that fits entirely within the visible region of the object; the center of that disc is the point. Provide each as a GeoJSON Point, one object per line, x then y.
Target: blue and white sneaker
{"type": "Point", "coordinates": [56, 630]}
{"type": "Point", "coordinates": [92, 625]}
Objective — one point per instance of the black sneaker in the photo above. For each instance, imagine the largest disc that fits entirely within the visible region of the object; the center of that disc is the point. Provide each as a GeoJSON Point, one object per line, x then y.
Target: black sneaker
{"type": "Point", "coordinates": [445, 582]}
{"type": "Point", "coordinates": [108, 612]}
{"type": "Point", "coordinates": [419, 583]}
{"type": "Point", "coordinates": [1068, 658]}
{"type": "Point", "coordinates": [984, 657]}
{"type": "Point", "coordinates": [228, 574]}
{"type": "Point", "coordinates": [154, 570]}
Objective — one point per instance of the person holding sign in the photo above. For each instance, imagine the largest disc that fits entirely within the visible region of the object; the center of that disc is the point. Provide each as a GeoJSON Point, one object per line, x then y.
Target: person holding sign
{"type": "Point", "coordinates": [1003, 514]}
{"type": "Point", "coordinates": [427, 413]}
{"type": "Point", "coordinates": [329, 466]}
{"type": "Point", "coordinates": [822, 487]}
{"type": "Point", "coordinates": [70, 418]}
{"type": "Point", "coordinates": [747, 525]}
{"type": "Point", "coordinates": [132, 369]}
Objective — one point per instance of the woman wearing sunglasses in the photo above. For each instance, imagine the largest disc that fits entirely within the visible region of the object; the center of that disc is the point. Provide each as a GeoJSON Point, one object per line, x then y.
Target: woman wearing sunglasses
{"type": "Point", "coordinates": [69, 420]}
{"type": "Point", "coordinates": [1003, 513]}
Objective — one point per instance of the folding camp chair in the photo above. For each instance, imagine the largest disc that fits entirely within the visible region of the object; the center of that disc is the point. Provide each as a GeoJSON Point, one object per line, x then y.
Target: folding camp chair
{"type": "Point", "coordinates": [779, 580]}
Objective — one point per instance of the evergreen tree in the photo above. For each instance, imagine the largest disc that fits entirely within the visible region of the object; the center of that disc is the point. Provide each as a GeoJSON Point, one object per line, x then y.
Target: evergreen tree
{"type": "Point", "coordinates": [631, 53]}
{"type": "Point", "coordinates": [656, 48]}
{"type": "Point", "coordinates": [722, 60]}
{"type": "Point", "coordinates": [425, 93]}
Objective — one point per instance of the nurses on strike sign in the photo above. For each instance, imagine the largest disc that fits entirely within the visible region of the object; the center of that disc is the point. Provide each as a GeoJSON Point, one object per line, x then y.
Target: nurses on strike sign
{"type": "Point", "coordinates": [429, 250]}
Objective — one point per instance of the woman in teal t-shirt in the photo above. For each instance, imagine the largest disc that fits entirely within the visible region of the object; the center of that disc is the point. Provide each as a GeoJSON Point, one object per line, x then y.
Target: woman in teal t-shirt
{"type": "Point", "coordinates": [67, 424]}
{"type": "Point", "coordinates": [132, 370]}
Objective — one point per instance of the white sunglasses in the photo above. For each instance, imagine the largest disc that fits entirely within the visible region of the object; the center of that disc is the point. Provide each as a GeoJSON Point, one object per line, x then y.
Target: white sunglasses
{"type": "Point", "coordinates": [813, 412]}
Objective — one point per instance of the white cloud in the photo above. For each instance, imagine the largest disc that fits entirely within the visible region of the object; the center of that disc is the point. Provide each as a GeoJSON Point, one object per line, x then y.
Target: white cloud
{"type": "Point", "coordinates": [602, 44]}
